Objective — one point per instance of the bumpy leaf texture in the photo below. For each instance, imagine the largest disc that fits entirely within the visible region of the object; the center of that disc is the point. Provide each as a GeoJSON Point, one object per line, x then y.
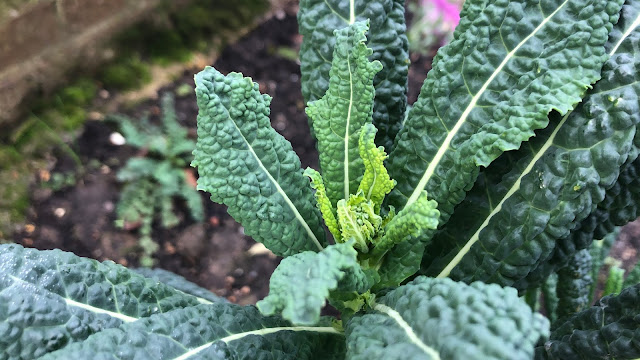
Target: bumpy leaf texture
{"type": "Point", "coordinates": [217, 331]}
{"type": "Point", "coordinates": [404, 240]}
{"type": "Point", "coordinates": [50, 299]}
{"type": "Point", "coordinates": [249, 167]}
{"type": "Point", "coordinates": [621, 200]}
{"type": "Point", "coordinates": [509, 65]}
{"type": "Point", "coordinates": [555, 182]}
{"type": "Point", "coordinates": [574, 292]}
{"type": "Point", "coordinates": [317, 21]}
{"type": "Point", "coordinates": [300, 286]}
{"type": "Point", "coordinates": [433, 319]}
{"type": "Point", "coordinates": [608, 330]}
{"type": "Point", "coordinates": [376, 183]}
{"type": "Point", "coordinates": [324, 204]}
{"type": "Point", "coordinates": [180, 283]}
{"type": "Point", "coordinates": [345, 108]}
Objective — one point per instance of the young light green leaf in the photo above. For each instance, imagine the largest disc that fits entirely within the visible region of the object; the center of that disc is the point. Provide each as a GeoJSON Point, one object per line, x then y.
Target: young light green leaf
{"type": "Point", "coordinates": [301, 284]}
{"type": "Point", "coordinates": [614, 281]}
{"type": "Point", "coordinates": [557, 181]}
{"type": "Point", "coordinates": [358, 220]}
{"type": "Point", "coordinates": [439, 319]}
{"type": "Point", "coordinates": [323, 203]}
{"type": "Point", "coordinates": [492, 86]}
{"type": "Point", "coordinates": [574, 279]}
{"type": "Point", "coordinates": [340, 114]}
{"type": "Point", "coordinates": [375, 183]}
{"type": "Point", "coordinates": [216, 331]}
{"type": "Point", "coordinates": [404, 240]}
{"type": "Point", "coordinates": [50, 299]}
{"type": "Point", "coordinates": [180, 283]}
{"type": "Point", "coordinates": [318, 19]}
{"type": "Point", "coordinates": [246, 165]}
{"type": "Point", "coordinates": [608, 330]}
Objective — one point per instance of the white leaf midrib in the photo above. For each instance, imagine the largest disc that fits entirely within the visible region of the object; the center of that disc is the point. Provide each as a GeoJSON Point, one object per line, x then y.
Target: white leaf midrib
{"type": "Point", "coordinates": [445, 146]}
{"type": "Point", "coordinates": [516, 186]}
{"type": "Point", "coordinates": [71, 302]}
{"type": "Point", "coordinates": [260, 332]}
{"type": "Point", "coordinates": [347, 134]}
{"type": "Point", "coordinates": [413, 337]}
{"type": "Point", "coordinates": [626, 34]}
{"type": "Point", "coordinates": [282, 193]}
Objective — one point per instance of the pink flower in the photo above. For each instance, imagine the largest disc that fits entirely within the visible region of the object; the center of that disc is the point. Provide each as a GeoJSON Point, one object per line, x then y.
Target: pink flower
{"type": "Point", "coordinates": [449, 11]}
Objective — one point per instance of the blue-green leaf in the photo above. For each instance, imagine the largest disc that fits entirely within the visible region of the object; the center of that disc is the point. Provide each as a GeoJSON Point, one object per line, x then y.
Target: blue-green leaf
{"type": "Point", "coordinates": [509, 65]}
{"type": "Point", "coordinates": [434, 319]}
{"type": "Point", "coordinates": [608, 330]}
{"type": "Point", "coordinates": [318, 19]}
{"type": "Point", "coordinates": [574, 292]}
{"type": "Point", "coordinates": [404, 240]}
{"type": "Point", "coordinates": [249, 167]}
{"type": "Point", "coordinates": [50, 299]}
{"type": "Point", "coordinates": [557, 181]}
{"type": "Point", "coordinates": [217, 331]}
{"type": "Point", "coordinates": [301, 284]}
{"type": "Point", "coordinates": [179, 283]}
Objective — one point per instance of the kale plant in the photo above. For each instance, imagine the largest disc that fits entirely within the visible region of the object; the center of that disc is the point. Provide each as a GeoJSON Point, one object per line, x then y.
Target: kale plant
{"type": "Point", "coordinates": [440, 227]}
{"type": "Point", "coordinates": [154, 180]}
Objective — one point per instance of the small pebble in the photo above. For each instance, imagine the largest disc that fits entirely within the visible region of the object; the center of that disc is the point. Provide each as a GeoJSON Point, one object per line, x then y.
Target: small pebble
{"type": "Point", "coordinates": [59, 212]}
{"type": "Point", "coordinates": [96, 116]}
{"type": "Point", "coordinates": [108, 206]}
{"type": "Point", "coordinates": [29, 228]}
{"type": "Point", "coordinates": [117, 139]}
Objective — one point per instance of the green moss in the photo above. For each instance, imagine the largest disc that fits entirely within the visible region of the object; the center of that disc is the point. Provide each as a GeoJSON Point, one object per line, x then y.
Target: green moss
{"type": "Point", "coordinates": [15, 175]}
{"type": "Point", "coordinates": [174, 34]}
{"type": "Point", "coordinates": [127, 73]}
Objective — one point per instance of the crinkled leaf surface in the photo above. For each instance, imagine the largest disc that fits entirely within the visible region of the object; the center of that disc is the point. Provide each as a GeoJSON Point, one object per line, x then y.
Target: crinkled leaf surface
{"type": "Point", "coordinates": [345, 108]}
{"type": "Point", "coordinates": [404, 240]}
{"type": "Point", "coordinates": [216, 331]}
{"type": "Point", "coordinates": [574, 292]}
{"type": "Point", "coordinates": [608, 330]}
{"type": "Point", "coordinates": [621, 200]}
{"type": "Point", "coordinates": [179, 283]}
{"type": "Point", "coordinates": [620, 206]}
{"type": "Point", "coordinates": [509, 65]}
{"type": "Point", "coordinates": [375, 183]}
{"type": "Point", "coordinates": [300, 286]}
{"type": "Point", "coordinates": [557, 181]}
{"type": "Point", "coordinates": [358, 220]}
{"type": "Point", "coordinates": [324, 204]}
{"type": "Point", "coordinates": [249, 167]}
{"type": "Point", "coordinates": [317, 21]}
{"type": "Point", "coordinates": [50, 299]}
{"type": "Point", "coordinates": [433, 319]}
